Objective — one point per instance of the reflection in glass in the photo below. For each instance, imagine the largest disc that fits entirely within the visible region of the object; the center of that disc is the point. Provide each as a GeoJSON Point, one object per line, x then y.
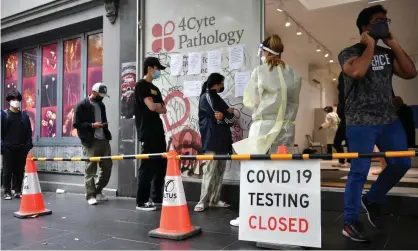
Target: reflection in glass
{"type": "Point", "coordinates": [71, 85]}
{"type": "Point", "coordinates": [95, 60]}
{"type": "Point", "coordinates": [49, 90]}
{"type": "Point", "coordinates": [29, 85]}
{"type": "Point", "coordinates": [10, 76]}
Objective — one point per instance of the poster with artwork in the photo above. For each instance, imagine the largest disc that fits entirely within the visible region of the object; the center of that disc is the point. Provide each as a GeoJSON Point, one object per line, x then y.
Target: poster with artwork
{"type": "Point", "coordinates": [128, 81]}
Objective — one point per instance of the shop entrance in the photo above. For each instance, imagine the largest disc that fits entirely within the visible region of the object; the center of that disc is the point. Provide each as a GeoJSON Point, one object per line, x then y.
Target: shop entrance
{"type": "Point", "coordinates": [314, 33]}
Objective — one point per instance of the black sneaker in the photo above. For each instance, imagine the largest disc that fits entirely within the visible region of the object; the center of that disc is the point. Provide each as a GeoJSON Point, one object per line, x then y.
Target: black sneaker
{"type": "Point", "coordinates": [355, 232]}
{"type": "Point", "coordinates": [7, 196]}
{"type": "Point", "coordinates": [146, 207]}
{"type": "Point", "coordinates": [373, 212]}
{"type": "Point", "coordinates": [17, 195]}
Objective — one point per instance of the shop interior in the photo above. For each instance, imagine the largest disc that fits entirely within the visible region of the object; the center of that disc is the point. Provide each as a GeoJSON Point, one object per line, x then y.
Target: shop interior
{"type": "Point", "coordinates": [313, 33]}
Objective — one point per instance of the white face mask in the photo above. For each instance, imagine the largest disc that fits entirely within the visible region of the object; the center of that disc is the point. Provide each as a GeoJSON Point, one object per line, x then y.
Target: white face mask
{"type": "Point", "coordinates": [263, 59]}
{"type": "Point", "coordinates": [15, 104]}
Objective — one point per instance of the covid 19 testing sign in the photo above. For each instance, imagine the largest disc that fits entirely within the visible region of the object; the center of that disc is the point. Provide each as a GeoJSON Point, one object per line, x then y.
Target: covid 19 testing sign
{"type": "Point", "coordinates": [280, 202]}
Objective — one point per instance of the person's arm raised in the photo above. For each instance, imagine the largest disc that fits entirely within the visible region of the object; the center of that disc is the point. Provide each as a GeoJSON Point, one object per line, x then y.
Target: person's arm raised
{"type": "Point", "coordinates": [356, 67]}
{"type": "Point", "coordinates": [404, 67]}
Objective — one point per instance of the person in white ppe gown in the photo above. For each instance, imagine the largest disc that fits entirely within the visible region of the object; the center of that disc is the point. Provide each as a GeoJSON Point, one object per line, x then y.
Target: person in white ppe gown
{"type": "Point", "coordinates": [273, 95]}
{"type": "Point", "coordinates": [331, 125]}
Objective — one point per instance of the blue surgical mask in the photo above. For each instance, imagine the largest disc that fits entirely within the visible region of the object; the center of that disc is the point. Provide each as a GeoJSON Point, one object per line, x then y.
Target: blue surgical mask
{"type": "Point", "coordinates": [156, 74]}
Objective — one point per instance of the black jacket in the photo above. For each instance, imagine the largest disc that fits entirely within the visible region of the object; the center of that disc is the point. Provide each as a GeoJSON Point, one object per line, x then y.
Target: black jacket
{"type": "Point", "coordinates": [84, 120]}
{"type": "Point", "coordinates": [216, 135]}
{"type": "Point", "coordinates": [6, 127]}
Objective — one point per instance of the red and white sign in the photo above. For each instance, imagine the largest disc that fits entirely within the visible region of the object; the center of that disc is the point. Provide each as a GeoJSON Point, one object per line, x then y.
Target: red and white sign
{"type": "Point", "coordinates": [280, 202]}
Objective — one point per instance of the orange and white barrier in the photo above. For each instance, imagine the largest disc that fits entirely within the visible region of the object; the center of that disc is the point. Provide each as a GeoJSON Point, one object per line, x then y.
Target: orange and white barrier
{"type": "Point", "coordinates": [32, 203]}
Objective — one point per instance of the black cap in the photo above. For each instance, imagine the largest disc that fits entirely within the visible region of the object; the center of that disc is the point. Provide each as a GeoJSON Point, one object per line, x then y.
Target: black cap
{"type": "Point", "coordinates": [152, 62]}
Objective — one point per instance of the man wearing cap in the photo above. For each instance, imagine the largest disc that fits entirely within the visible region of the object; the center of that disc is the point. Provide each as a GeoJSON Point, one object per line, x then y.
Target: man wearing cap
{"type": "Point", "coordinates": [91, 123]}
{"type": "Point", "coordinates": [149, 105]}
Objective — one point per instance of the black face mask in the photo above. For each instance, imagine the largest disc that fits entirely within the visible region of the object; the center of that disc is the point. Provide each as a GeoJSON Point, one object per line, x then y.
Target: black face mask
{"type": "Point", "coordinates": [379, 30]}
{"type": "Point", "coordinates": [98, 98]}
{"type": "Point", "coordinates": [222, 89]}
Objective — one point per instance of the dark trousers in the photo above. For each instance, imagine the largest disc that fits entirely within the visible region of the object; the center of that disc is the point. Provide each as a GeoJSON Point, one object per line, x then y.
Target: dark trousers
{"type": "Point", "coordinates": [13, 170]}
{"type": "Point", "coordinates": [151, 172]}
{"type": "Point", "coordinates": [340, 136]}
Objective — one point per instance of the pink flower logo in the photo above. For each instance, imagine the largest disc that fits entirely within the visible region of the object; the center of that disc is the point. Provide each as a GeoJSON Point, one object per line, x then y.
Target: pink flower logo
{"type": "Point", "coordinates": [163, 37]}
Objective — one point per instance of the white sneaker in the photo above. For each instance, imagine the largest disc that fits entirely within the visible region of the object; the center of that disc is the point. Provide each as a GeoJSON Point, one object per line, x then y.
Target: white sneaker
{"type": "Point", "coordinates": [146, 207]}
{"type": "Point", "coordinates": [92, 201]}
{"type": "Point", "coordinates": [235, 222]}
{"type": "Point", "coordinates": [101, 197]}
{"type": "Point", "coordinates": [154, 204]}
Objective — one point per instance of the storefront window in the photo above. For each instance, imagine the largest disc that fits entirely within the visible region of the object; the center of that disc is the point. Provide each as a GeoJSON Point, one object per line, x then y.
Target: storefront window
{"type": "Point", "coordinates": [10, 77]}
{"type": "Point", "coordinates": [95, 60]}
{"type": "Point", "coordinates": [29, 85]}
{"type": "Point", "coordinates": [49, 90]}
{"type": "Point", "coordinates": [71, 85]}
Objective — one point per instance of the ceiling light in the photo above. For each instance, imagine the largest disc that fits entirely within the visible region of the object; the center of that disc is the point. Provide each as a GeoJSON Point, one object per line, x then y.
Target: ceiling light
{"type": "Point", "coordinates": [299, 32]}
{"type": "Point", "coordinates": [334, 79]}
{"type": "Point", "coordinates": [281, 5]}
{"type": "Point", "coordinates": [326, 54]}
{"type": "Point", "coordinates": [376, 1]}
{"type": "Point", "coordinates": [318, 48]}
{"type": "Point", "coordinates": [331, 61]}
{"type": "Point", "coordinates": [287, 21]}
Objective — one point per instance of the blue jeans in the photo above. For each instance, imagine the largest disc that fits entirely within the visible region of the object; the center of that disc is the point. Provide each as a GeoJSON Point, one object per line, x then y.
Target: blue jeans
{"type": "Point", "coordinates": [390, 137]}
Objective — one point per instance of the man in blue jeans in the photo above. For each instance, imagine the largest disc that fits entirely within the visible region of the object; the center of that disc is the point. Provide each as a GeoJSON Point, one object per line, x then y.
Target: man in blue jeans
{"type": "Point", "coordinates": [371, 117]}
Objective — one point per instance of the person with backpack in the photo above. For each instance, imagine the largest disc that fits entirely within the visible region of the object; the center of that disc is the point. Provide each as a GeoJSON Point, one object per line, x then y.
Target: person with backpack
{"type": "Point", "coordinates": [371, 117]}
{"type": "Point", "coordinates": [16, 142]}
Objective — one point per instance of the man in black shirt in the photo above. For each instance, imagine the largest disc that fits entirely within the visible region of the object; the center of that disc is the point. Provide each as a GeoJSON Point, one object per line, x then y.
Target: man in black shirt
{"type": "Point", "coordinates": [16, 142]}
{"type": "Point", "coordinates": [149, 105]}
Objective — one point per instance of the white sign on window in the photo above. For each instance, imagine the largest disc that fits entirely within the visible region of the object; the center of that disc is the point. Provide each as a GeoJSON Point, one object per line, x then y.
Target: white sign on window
{"type": "Point", "coordinates": [280, 202]}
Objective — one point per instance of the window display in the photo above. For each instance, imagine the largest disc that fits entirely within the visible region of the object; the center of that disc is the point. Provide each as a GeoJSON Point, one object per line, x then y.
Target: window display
{"type": "Point", "coordinates": [53, 78]}
{"type": "Point", "coordinates": [95, 60]}
{"type": "Point", "coordinates": [10, 77]}
{"type": "Point", "coordinates": [29, 85]}
{"type": "Point", "coordinates": [49, 89]}
{"type": "Point", "coordinates": [71, 85]}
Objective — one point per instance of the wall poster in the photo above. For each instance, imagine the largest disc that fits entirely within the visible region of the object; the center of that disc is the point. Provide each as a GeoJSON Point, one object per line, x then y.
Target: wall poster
{"type": "Point", "coordinates": [196, 27]}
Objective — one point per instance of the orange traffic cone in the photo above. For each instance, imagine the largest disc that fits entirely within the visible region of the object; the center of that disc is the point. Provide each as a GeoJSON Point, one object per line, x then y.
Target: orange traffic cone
{"type": "Point", "coordinates": [32, 200]}
{"type": "Point", "coordinates": [282, 150]}
{"type": "Point", "coordinates": [175, 221]}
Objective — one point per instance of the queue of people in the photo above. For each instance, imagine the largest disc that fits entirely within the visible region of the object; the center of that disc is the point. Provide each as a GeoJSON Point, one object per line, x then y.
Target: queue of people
{"type": "Point", "coordinates": [368, 115]}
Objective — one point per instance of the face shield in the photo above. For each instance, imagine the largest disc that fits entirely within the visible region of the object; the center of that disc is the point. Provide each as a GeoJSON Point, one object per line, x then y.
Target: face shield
{"type": "Point", "coordinates": [262, 47]}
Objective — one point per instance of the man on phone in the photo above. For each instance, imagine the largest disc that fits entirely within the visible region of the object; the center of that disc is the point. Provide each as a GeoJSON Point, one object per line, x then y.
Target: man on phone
{"type": "Point", "coordinates": [371, 117]}
{"type": "Point", "coordinates": [90, 120]}
{"type": "Point", "coordinates": [149, 105]}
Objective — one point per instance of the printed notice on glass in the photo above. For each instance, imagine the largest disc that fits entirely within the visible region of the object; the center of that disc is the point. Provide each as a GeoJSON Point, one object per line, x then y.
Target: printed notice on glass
{"type": "Point", "coordinates": [176, 65]}
{"type": "Point", "coordinates": [214, 61]}
{"type": "Point", "coordinates": [191, 89]}
{"type": "Point", "coordinates": [236, 57]}
{"type": "Point", "coordinates": [194, 63]}
{"type": "Point", "coordinates": [241, 81]}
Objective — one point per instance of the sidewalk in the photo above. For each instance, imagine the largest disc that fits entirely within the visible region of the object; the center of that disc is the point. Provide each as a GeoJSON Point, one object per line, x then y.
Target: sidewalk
{"type": "Point", "coordinates": [116, 225]}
